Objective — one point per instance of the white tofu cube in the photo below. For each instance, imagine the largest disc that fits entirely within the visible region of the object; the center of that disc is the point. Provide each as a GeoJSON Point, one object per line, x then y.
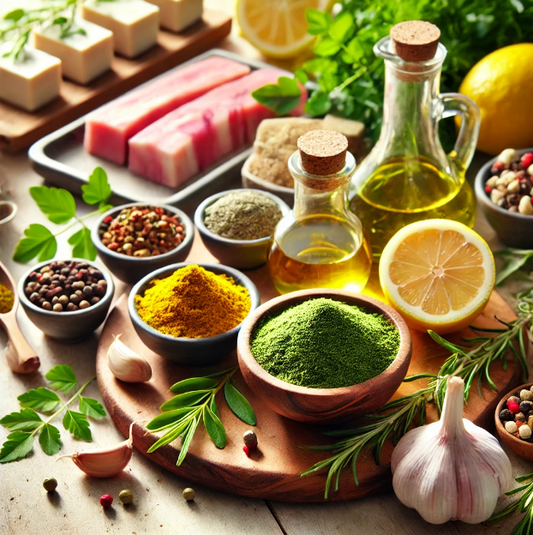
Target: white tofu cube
{"type": "Point", "coordinates": [176, 15]}
{"type": "Point", "coordinates": [30, 81]}
{"type": "Point", "coordinates": [83, 57]}
{"type": "Point", "coordinates": [134, 23]}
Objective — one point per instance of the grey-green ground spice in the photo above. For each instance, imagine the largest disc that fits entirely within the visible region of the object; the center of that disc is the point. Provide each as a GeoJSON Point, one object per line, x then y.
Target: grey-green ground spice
{"type": "Point", "coordinates": [243, 215]}
{"type": "Point", "coordinates": [322, 343]}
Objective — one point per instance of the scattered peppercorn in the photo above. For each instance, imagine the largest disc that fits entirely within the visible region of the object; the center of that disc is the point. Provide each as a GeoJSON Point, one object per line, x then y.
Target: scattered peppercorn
{"type": "Point", "coordinates": [142, 231]}
{"type": "Point", "coordinates": [525, 406]}
{"type": "Point", "coordinates": [125, 496]}
{"type": "Point", "coordinates": [506, 415]}
{"type": "Point", "coordinates": [59, 286]}
{"type": "Point", "coordinates": [526, 395]}
{"type": "Point", "coordinates": [106, 500]}
{"type": "Point", "coordinates": [246, 450]}
{"type": "Point", "coordinates": [518, 417]}
{"type": "Point", "coordinates": [188, 494]}
{"type": "Point", "coordinates": [250, 439]}
{"type": "Point", "coordinates": [50, 484]}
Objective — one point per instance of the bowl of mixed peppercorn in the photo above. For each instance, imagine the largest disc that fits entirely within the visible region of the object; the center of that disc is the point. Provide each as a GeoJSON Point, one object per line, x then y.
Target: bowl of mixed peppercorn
{"type": "Point", "coordinates": [66, 299]}
{"type": "Point", "coordinates": [135, 239]}
{"type": "Point", "coordinates": [504, 189]}
{"type": "Point", "coordinates": [514, 420]}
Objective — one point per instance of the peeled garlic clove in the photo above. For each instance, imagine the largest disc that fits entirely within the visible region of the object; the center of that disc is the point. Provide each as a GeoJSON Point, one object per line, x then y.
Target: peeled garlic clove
{"type": "Point", "coordinates": [451, 469]}
{"type": "Point", "coordinates": [105, 462]}
{"type": "Point", "coordinates": [127, 365]}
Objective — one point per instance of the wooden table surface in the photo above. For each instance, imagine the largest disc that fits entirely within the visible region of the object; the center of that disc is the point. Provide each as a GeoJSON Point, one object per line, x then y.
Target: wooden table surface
{"type": "Point", "coordinates": [158, 506]}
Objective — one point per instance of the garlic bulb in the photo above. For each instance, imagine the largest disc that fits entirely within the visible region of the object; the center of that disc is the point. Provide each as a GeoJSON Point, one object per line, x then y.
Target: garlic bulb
{"type": "Point", "coordinates": [450, 469]}
{"type": "Point", "coordinates": [127, 365]}
{"type": "Point", "coordinates": [105, 462]}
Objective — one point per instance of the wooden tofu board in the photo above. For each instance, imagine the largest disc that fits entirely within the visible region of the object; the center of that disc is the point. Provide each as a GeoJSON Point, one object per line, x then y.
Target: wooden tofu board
{"type": "Point", "coordinates": [273, 471]}
{"type": "Point", "coordinates": [19, 129]}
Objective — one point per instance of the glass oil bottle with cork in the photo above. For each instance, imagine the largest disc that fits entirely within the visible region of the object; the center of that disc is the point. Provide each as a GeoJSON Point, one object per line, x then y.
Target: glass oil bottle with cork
{"type": "Point", "coordinates": [320, 243]}
{"type": "Point", "coordinates": [408, 176]}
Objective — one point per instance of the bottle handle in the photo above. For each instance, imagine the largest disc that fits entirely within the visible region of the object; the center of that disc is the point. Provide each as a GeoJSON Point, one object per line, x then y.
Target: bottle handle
{"type": "Point", "coordinates": [452, 104]}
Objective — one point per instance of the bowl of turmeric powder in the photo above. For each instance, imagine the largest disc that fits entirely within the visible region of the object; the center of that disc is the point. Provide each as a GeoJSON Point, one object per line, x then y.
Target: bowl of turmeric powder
{"type": "Point", "coordinates": [192, 313]}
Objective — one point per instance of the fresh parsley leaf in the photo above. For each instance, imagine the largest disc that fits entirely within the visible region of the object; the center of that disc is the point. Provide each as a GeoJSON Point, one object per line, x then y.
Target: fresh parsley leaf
{"type": "Point", "coordinates": [281, 98]}
{"type": "Point", "coordinates": [91, 408]}
{"type": "Point", "coordinates": [82, 243]}
{"type": "Point", "coordinates": [326, 47]}
{"type": "Point", "coordinates": [97, 190]}
{"type": "Point", "coordinates": [40, 399]}
{"type": "Point", "coordinates": [16, 447]}
{"type": "Point", "coordinates": [77, 424]}
{"type": "Point", "coordinates": [25, 420]}
{"type": "Point", "coordinates": [214, 428]}
{"type": "Point", "coordinates": [342, 27]}
{"type": "Point", "coordinates": [317, 21]}
{"type": "Point", "coordinates": [319, 104]}
{"type": "Point", "coordinates": [39, 242]}
{"type": "Point", "coordinates": [62, 378]}
{"type": "Point", "coordinates": [239, 404]}
{"type": "Point", "coordinates": [60, 20]}
{"type": "Point", "coordinates": [58, 204]}
{"type": "Point", "coordinates": [14, 15]}
{"type": "Point", "coordinates": [50, 439]}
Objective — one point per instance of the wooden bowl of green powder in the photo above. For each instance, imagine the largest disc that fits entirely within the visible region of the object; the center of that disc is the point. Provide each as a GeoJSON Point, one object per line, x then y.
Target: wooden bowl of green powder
{"type": "Point", "coordinates": [321, 356]}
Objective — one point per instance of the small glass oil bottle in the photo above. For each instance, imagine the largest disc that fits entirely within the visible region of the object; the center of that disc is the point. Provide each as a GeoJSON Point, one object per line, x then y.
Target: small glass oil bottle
{"type": "Point", "coordinates": [320, 243]}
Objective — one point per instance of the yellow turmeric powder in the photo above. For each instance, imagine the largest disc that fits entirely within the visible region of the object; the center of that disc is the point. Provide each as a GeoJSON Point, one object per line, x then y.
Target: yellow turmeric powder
{"type": "Point", "coordinates": [6, 299]}
{"type": "Point", "coordinates": [194, 303]}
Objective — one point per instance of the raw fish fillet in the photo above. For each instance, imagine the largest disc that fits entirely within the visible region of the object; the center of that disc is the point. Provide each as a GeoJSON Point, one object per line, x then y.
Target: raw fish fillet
{"type": "Point", "coordinates": [108, 128]}
{"type": "Point", "coordinates": [197, 134]}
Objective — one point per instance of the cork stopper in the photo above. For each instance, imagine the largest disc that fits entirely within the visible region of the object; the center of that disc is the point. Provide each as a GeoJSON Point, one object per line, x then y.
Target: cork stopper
{"type": "Point", "coordinates": [322, 152]}
{"type": "Point", "coordinates": [415, 40]}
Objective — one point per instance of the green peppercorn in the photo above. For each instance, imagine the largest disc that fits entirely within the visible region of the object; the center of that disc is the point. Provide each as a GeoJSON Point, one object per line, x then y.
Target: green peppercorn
{"type": "Point", "coordinates": [125, 496]}
{"type": "Point", "coordinates": [188, 494]}
{"type": "Point", "coordinates": [50, 484]}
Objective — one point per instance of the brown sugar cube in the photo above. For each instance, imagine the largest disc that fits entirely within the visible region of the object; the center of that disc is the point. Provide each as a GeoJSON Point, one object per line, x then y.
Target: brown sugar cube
{"type": "Point", "coordinates": [323, 152]}
{"type": "Point", "coordinates": [415, 40]}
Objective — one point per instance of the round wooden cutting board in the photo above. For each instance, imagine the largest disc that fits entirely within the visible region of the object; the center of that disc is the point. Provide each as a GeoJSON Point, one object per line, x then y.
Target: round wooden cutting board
{"type": "Point", "coordinates": [273, 471]}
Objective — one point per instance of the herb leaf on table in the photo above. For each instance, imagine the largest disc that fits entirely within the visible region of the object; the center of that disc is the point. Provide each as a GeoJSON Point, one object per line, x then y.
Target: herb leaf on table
{"type": "Point", "coordinates": [39, 242]}
{"type": "Point", "coordinates": [195, 402]}
{"type": "Point", "coordinates": [514, 259]}
{"type": "Point", "coordinates": [27, 423]}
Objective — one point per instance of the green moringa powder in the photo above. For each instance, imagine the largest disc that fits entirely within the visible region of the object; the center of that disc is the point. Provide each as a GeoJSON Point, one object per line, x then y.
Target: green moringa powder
{"type": "Point", "coordinates": [322, 343]}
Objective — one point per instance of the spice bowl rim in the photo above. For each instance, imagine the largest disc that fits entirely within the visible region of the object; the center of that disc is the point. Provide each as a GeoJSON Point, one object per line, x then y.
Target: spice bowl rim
{"type": "Point", "coordinates": [255, 301]}
{"type": "Point", "coordinates": [199, 216]}
{"type": "Point", "coordinates": [185, 219]}
{"type": "Point", "coordinates": [513, 442]}
{"type": "Point", "coordinates": [249, 365]}
{"type": "Point", "coordinates": [12, 214]}
{"type": "Point", "coordinates": [104, 301]}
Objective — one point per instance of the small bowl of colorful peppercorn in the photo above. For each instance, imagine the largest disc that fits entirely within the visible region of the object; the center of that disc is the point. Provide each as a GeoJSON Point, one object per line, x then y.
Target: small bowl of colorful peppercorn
{"type": "Point", "coordinates": [135, 239]}
{"type": "Point", "coordinates": [67, 300]}
{"type": "Point", "coordinates": [322, 356]}
{"type": "Point", "coordinates": [236, 225]}
{"type": "Point", "coordinates": [192, 313]}
{"type": "Point", "coordinates": [514, 420]}
{"type": "Point", "coordinates": [504, 189]}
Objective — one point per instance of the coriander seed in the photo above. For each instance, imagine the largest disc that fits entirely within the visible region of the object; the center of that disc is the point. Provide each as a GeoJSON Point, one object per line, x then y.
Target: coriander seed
{"type": "Point", "coordinates": [188, 494]}
{"type": "Point", "coordinates": [125, 496]}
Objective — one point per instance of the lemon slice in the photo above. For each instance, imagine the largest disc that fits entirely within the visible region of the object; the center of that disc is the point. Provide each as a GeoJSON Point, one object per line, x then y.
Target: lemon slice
{"type": "Point", "coordinates": [438, 274]}
{"type": "Point", "coordinates": [277, 27]}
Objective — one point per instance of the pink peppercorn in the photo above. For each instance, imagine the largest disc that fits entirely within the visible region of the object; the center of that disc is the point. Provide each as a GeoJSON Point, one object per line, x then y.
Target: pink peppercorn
{"type": "Point", "coordinates": [488, 189]}
{"type": "Point", "coordinates": [513, 406]}
{"type": "Point", "coordinates": [497, 166]}
{"type": "Point", "coordinates": [106, 500]}
{"type": "Point", "coordinates": [246, 450]}
{"type": "Point", "coordinates": [519, 423]}
{"type": "Point", "coordinates": [527, 159]}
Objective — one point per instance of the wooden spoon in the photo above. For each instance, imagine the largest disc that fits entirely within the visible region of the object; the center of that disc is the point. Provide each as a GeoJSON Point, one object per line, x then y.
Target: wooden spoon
{"type": "Point", "coordinates": [20, 356]}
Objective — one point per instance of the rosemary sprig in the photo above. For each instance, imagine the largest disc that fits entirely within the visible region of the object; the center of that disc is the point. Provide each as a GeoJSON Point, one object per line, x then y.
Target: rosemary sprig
{"type": "Point", "coordinates": [195, 402]}
{"type": "Point", "coordinates": [396, 417]}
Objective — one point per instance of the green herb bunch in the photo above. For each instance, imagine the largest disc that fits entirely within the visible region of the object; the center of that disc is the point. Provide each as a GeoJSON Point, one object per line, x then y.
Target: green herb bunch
{"type": "Point", "coordinates": [396, 417]}
{"type": "Point", "coordinates": [27, 423]}
{"type": "Point", "coordinates": [60, 208]}
{"type": "Point", "coordinates": [514, 260]}
{"type": "Point", "coordinates": [195, 402]}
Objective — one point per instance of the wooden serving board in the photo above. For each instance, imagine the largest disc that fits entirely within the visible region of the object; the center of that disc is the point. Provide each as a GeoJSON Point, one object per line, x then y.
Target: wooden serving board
{"type": "Point", "coordinates": [19, 129]}
{"type": "Point", "coordinates": [273, 472]}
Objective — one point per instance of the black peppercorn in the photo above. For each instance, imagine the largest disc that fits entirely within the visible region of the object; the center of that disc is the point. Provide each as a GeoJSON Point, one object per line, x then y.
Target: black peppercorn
{"type": "Point", "coordinates": [506, 415]}
{"type": "Point", "coordinates": [525, 406]}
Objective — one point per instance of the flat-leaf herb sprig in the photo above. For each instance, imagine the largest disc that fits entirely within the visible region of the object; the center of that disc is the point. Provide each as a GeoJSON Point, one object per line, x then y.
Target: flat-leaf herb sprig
{"type": "Point", "coordinates": [195, 402]}
{"type": "Point", "coordinates": [60, 207]}
{"type": "Point", "coordinates": [27, 423]}
{"type": "Point", "coordinates": [396, 417]}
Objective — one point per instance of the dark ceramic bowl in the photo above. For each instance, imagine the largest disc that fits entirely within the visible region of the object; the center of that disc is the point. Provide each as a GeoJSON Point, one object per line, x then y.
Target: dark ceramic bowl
{"type": "Point", "coordinates": [189, 351]}
{"type": "Point", "coordinates": [131, 269]}
{"type": "Point", "coordinates": [513, 229]}
{"type": "Point", "coordinates": [323, 405]}
{"type": "Point", "coordinates": [67, 326]}
{"type": "Point", "coordinates": [519, 446]}
{"type": "Point", "coordinates": [242, 254]}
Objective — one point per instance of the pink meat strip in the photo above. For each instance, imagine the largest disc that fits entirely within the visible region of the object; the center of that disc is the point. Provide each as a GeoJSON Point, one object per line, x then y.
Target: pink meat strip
{"type": "Point", "coordinates": [194, 136]}
{"type": "Point", "coordinates": [108, 128]}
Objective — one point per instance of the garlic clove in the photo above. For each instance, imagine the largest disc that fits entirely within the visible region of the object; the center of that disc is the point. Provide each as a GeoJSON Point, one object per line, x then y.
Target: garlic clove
{"type": "Point", "coordinates": [104, 462]}
{"type": "Point", "coordinates": [127, 365]}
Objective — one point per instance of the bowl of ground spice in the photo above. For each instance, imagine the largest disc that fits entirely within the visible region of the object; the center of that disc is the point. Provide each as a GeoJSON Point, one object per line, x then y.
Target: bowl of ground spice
{"type": "Point", "coordinates": [192, 313]}
{"type": "Point", "coordinates": [236, 225]}
{"type": "Point", "coordinates": [321, 356]}
{"type": "Point", "coordinates": [135, 239]}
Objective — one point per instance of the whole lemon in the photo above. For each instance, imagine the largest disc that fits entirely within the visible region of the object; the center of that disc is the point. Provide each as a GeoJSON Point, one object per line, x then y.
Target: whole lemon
{"type": "Point", "coordinates": [501, 84]}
